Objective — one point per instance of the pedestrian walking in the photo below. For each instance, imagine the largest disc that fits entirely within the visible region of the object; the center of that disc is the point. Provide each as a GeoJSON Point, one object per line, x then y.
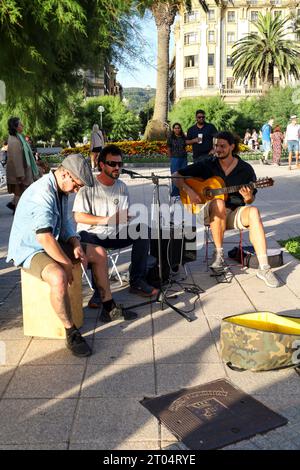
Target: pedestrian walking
{"type": "Point", "coordinates": [97, 143]}
{"type": "Point", "coordinates": [291, 140]}
{"type": "Point", "coordinates": [277, 140]}
{"type": "Point", "coordinates": [21, 168]}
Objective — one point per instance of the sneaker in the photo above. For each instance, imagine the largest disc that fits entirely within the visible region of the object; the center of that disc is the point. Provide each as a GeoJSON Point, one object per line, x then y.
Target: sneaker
{"type": "Point", "coordinates": [117, 313]}
{"type": "Point", "coordinates": [11, 206]}
{"type": "Point", "coordinates": [95, 301]}
{"type": "Point", "coordinates": [77, 344]}
{"type": "Point", "coordinates": [217, 260]}
{"type": "Point", "coordinates": [143, 289]}
{"type": "Point", "coordinates": [268, 277]}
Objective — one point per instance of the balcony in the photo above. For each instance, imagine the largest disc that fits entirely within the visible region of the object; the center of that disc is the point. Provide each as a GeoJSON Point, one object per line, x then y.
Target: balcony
{"type": "Point", "coordinates": [243, 91]}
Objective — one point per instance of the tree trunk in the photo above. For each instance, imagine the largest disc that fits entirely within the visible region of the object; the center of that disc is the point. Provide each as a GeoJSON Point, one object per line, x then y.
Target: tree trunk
{"type": "Point", "coordinates": [268, 79]}
{"type": "Point", "coordinates": [164, 15]}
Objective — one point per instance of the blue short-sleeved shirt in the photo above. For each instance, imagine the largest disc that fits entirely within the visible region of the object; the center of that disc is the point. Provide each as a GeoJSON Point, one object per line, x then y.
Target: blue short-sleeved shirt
{"type": "Point", "coordinates": [266, 132]}
{"type": "Point", "coordinates": [39, 207]}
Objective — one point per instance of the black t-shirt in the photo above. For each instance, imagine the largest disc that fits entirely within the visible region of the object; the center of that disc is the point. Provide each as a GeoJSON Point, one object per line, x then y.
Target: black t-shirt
{"type": "Point", "coordinates": [208, 132]}
{"type": "Point", "coordinates": [177, 146]}
{"type": "Point", "coordinates": [243, 173]}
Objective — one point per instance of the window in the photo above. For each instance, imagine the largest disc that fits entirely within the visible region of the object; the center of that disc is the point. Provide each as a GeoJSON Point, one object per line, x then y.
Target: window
{"type": "Point", "coordinates": [230, 83]}
{"type": "Point", "coordinates": [211, 15]}
{"type": "Point", "coordinates": [253, 83]}
{"type": "Point", "coordinates": [277, 13]}
{"type": "Point", "coordinates": [191, 61]}
{"type": "Point", "coordinates": [231, 17]}
{"type": "Point", "coordinates": [211, 81]}
{"type": "Point", "coordinates": [229, 61]}
{"type": "Point", "coordinates": [190, 38]}
{"type": "Point", "coordinates": [190, 82]}
{"type": "Point", "coordinates": [191, 17]}
{"type": "Point", "coordinates": [254, 15]}
{"type": "Point", "coordinates": [211, 59]}
{"type": "Point", "coordinates": [211, 36]}
{"type": "Point", "coordinates": [230, 37]}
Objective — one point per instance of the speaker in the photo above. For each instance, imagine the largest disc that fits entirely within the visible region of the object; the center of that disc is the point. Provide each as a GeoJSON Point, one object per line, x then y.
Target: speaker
{"type": "Point", "coordinates": [173, 254]}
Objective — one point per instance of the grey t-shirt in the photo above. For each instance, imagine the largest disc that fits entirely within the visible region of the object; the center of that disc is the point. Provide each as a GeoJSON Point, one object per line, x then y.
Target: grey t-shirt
{"type": "Point", "coordinates": [103, 201]}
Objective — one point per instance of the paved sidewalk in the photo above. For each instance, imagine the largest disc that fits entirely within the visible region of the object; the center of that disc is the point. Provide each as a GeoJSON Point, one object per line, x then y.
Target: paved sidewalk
{"type": "Point", "coordinates": [50, 399]}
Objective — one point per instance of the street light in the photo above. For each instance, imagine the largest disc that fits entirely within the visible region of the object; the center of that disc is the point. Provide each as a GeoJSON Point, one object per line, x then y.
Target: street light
{"type": "Point", "coordinates": [101, 110]}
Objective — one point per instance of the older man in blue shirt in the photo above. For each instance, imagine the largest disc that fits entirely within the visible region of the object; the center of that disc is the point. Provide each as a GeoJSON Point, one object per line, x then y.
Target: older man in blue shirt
{"type": "Point", "coordinates": [44, 242]}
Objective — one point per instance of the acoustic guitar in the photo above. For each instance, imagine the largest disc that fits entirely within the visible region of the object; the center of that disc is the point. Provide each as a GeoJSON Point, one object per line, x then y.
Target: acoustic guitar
{"type": "Point", "coordinates": [214, 188]}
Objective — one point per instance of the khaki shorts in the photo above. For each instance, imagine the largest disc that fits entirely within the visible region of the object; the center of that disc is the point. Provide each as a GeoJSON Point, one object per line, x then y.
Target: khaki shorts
{"type": "Point", "coordinates": [41, 260]}
{"type": "Point", "coordinates": [233, 217]}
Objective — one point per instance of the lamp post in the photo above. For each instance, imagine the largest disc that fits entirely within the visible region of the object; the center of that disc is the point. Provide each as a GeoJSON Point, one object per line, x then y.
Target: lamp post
{"type": "Point", "coordinates": [101, 110]}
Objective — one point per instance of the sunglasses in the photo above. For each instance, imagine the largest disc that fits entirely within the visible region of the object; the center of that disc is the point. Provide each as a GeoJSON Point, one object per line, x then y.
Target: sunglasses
{"type": "Point", "coordinates": [114, 164]}
{"type": "Point", "coordinates": [200, 116]}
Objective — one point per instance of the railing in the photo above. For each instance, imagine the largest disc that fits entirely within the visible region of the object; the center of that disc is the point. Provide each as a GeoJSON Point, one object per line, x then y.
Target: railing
{"type": "Point", "coordinates": [243, 91]}
{"type": "Point", "coordinates": [229, 91]}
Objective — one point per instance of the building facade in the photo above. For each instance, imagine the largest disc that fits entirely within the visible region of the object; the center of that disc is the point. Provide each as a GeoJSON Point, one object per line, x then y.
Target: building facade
{"type": "Point", "coordinates": [202, 65]}
{"type": "Point", "coordinates": [103, 82]}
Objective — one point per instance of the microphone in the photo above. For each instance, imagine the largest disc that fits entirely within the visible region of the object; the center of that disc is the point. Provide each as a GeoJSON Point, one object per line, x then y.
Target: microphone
{"type": "Point", "coordinates": [129, 172]}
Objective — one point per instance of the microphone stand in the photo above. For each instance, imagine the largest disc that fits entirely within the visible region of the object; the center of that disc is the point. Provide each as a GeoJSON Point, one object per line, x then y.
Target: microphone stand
{"type": "Point", "coordinates": [161, 297]}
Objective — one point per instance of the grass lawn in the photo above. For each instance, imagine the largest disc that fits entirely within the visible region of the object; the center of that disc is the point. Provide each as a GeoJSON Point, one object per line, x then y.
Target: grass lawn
{"type": "Point", "coordinates": [292, 245]}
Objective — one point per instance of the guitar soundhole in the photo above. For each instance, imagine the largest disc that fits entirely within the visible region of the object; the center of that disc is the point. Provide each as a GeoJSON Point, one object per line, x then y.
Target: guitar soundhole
{"type": "Point", "coordinates": [208, 194]}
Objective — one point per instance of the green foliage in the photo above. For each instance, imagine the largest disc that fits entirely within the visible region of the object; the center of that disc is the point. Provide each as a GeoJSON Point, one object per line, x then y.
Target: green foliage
{"type": "Point", "coordinates": [45, 43]}
{"type": "Point", "coordinates": [279, 103]}
{"type": "Point", "coordinates": [217, 112]}
{"type": "Point", "coordinates": [258, 53]}
{"type": "Point", "coordinates": [292, 246]}
{"type": "Point", "coordinates": [137, 99]}
{"type": "Point", "coordinates": [118, 122]}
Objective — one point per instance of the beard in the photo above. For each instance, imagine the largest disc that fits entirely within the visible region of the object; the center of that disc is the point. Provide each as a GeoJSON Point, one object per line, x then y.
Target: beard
{"type": "Point", "coordinates": [113, 175]}
{"type": "Point", "coordinates": [224, 156]}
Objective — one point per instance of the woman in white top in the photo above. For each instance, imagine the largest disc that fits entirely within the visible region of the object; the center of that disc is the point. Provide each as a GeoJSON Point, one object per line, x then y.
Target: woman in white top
{"type": "Point", "coordinates": [97, 143]}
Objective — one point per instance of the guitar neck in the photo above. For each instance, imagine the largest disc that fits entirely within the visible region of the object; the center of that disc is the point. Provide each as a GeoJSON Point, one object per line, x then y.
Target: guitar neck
{"type": "Point", "coordinates": [234, 189]}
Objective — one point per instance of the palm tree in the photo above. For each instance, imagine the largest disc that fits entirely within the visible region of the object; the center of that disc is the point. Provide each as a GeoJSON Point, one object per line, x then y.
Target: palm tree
{"type": "Point", "coordinates": [259, 53]}
{"type": "Point", "coordinates": [164, 13]}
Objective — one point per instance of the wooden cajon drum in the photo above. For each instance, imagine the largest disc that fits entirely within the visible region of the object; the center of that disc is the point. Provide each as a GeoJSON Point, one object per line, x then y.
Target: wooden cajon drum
{"type": "Point", "coordinates": [39, 318]}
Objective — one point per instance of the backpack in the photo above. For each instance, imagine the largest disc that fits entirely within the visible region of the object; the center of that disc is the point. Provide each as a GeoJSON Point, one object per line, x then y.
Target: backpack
{"type": "Point", "coordinates": [275, 256]}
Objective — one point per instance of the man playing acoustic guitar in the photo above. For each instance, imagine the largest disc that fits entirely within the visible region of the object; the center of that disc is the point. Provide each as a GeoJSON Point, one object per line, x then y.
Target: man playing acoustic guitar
{"type": "Point", "coordinates": [235, 212]}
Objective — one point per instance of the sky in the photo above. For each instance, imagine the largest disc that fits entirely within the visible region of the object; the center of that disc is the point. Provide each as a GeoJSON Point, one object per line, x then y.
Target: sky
{"type": "Point", "coordinates": [144, 75]}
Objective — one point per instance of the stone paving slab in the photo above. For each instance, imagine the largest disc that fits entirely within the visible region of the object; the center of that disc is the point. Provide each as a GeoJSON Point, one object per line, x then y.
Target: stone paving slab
{"type": "Point", "coordinates": [185, 350]}
{"type": "Point", "coordinates": [6, 373]}
{"type": "Point", "coordinates": [122, 351]}
{"type": "Point", "coordinates": [46, 382]}
{"type": "Point", "coordinates": [15, 350]}
{"type": "Point", "coordinates": [172, 377]}
{"type": "Point", "coordinates": [110, 420]}
{"type": "Point", "coordinates": [49, 352]}
{"type": "Point", "coordinates": [139, 328]}
{"type": "Point", "coordinates": [117, 381]}
{"type": "Point", "coordinates": [35, 421]}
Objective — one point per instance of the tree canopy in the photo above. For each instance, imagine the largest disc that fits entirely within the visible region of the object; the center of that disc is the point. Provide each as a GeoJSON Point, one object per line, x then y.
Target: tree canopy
{"type": "Point", "coordinates": [45, 43]}
{"type": "Point", "coordinates": [259, 53]}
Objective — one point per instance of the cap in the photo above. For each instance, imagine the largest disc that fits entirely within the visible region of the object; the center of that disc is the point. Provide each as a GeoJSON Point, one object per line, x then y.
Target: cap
{"type": "Point", "coordinates": [294, 116]}
{"type": "Point", "coordinates": [79, 167]}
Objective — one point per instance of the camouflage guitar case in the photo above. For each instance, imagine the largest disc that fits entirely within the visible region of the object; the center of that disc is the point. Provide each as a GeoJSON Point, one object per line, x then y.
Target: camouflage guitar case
{"type": "Point", "coordinates": [260, 341]}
